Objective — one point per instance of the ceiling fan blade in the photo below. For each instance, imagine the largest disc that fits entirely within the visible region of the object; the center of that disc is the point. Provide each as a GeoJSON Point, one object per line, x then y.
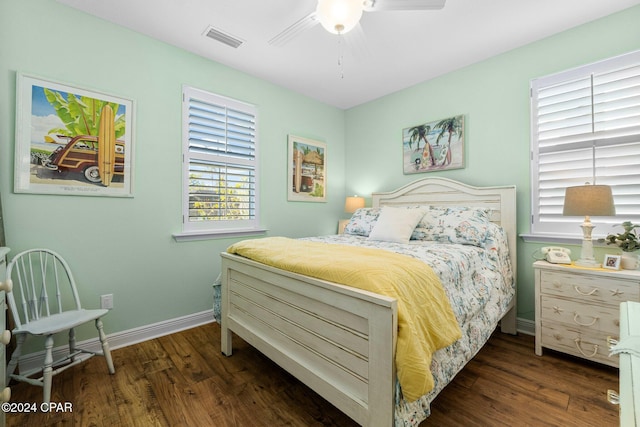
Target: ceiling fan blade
{"type": "Point", "coordinates": [293, 31]}
{"type": "Point", "coordinates": [382, 5]}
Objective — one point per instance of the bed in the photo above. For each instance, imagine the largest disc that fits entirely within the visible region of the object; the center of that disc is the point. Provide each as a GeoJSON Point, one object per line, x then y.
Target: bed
{"type": "Point", "coordinates": [341, 341]}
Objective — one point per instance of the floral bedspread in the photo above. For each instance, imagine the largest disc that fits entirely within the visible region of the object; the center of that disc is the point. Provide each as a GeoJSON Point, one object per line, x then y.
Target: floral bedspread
{"type": "Point", "coordinates": [479, 284]}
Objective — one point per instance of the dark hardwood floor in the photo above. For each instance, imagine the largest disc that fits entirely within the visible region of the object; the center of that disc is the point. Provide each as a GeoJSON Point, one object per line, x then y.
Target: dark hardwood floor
{"type": "Point", "coordinates": [183, 380]}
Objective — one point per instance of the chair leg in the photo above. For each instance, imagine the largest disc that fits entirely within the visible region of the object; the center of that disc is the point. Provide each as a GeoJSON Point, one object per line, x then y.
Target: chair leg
{"type": "Point", "coordinates": [15, 356]}
{"type": "Point", "coordinates": [72, 343]}
{"type": "Point", "coordinates": [105, 346]}
{"type": "Point", "coordinates": [47, 372]}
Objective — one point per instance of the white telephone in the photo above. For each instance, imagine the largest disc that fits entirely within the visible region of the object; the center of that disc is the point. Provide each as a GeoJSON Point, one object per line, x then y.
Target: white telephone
{"type": "Point", "coordinates": [556, 255]}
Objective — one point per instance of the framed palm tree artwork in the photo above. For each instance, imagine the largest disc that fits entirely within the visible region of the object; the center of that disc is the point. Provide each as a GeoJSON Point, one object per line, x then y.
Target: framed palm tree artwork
{"type": "Point", "coordinates": [434, 146]}
{"type": "Point", "coordinates": [72, 141]}
{"type": "Point", "coordinates": [307, 176]}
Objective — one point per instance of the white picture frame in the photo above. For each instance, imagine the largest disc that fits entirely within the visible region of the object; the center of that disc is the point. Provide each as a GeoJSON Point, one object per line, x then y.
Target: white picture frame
{"type": "Point", "coordinates": [612, 262]}
{"type": "Point", "coordinates": [434, 146]}
{"type": "Point", "coordinates": [57, 117]}
{"type": "Point", "coordinates": [306, 170]}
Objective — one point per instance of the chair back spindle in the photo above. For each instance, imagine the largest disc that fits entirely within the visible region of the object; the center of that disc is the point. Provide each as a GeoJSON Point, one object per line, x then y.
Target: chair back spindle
{"type": "Point", "coordinates": [45, 286]}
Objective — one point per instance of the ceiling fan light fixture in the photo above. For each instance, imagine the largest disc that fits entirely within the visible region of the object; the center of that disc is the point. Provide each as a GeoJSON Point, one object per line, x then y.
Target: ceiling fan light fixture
{"type": "Point", "coordinates": [339, 16]}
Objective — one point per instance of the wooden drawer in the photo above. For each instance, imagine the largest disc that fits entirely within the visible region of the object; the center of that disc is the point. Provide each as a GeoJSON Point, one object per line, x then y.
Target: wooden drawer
{"type": "Point", "coordinates": [577, 341]}
{"type": "Point", "coordinates": [603, 318]}
{"type": "Point", "coordinates": [589, 288]}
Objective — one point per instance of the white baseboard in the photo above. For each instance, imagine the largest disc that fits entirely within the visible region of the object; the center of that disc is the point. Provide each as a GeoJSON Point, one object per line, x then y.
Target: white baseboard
{"type": "Point", "coordinates": [33, 361]}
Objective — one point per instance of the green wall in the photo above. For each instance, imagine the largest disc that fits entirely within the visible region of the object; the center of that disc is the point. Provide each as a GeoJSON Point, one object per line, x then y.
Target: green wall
{"type": "Point", "coordinates": [124, 246]}
{"type": "Point", "coordinates": [494, 97]}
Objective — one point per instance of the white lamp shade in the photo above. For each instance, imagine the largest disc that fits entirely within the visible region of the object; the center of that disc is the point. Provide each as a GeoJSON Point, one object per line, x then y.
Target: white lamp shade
{"type": "Point", "coordinates": [353, 203]}
{"type": "Point", "coordinates": [339, 16]}
{"type": "Point", "coordinates": [589, 200]}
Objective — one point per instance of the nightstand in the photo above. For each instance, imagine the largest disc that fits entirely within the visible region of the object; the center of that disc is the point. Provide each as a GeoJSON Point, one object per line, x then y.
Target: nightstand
{"type": "Point", "coordinates": [577, 308]}
{"type": "Point", "coordinates": [341, 225]}
{"type": "Point", "coordinates": [5, 336]}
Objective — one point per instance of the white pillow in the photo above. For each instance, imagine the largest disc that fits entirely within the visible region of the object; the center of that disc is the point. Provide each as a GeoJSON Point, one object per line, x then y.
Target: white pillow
{"type": "Point", "coordinates": [396, 224]}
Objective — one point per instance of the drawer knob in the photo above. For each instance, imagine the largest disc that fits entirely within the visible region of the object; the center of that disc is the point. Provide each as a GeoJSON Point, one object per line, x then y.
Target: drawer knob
{"type": "Point", "coordinates": [613, 397]}
{"type": "Point", "coordinates": [576, 316]}
{"type": "Point", "coordinates": [6, 286]}
{"type": "Point", "coordinates": [5, 396]}
{"type": "Point", "coordinates": [578, 342]}
{"type": "Point", "coordinates": [586, 294]}
{"type": "Point", "coordinates": [5, 337]}
{"type": "Point", "coordinates": [611, 342]}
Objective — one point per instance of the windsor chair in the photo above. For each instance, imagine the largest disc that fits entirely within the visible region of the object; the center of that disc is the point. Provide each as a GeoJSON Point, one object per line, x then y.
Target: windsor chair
{"type": "Point", "coordinates": [44, 301]}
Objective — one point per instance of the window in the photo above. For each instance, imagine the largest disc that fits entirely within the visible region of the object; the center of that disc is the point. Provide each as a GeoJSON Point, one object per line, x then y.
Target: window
{"type": "Point", "coordinates": [220, 157]}
{"type": "Point", "coordinates": [585, 126]}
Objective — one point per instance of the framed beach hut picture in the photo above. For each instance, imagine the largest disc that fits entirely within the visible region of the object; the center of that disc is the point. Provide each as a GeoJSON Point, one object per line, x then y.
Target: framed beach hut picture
{"type": "Point", "coordinates": [434, 146]}
{"type": "Point", "coordinates": [307, 170]}
{"type": "Point", "coordinates": [72, 141]}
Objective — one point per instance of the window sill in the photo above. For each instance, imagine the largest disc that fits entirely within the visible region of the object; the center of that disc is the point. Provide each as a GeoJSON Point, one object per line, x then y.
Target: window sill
{"type": "Point", "coordinates": [206, 235]}
{"type": "Point", "coordinates": [567, 240]}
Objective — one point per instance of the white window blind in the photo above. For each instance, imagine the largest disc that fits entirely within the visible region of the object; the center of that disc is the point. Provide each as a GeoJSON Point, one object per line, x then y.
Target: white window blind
{"type": "Point", "coordinates": [586, 128]}
{"type": "Point", "coordinates": [220, 163]}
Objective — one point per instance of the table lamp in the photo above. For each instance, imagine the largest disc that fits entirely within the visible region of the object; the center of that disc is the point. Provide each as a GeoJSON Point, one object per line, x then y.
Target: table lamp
{"type": "Point", "coordinates": [353, 203]}
{"type": "Point", "coordinates": [588, 200]}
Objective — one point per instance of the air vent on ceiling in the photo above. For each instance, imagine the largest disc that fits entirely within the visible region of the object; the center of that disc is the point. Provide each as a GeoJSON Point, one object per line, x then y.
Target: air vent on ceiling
{"type": "Point", "coordinates": [225, 38]}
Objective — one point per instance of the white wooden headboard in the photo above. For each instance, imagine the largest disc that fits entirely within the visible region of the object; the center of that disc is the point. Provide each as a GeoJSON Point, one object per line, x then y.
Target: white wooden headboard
{"type": "Point", "coordinates": [447, 192]}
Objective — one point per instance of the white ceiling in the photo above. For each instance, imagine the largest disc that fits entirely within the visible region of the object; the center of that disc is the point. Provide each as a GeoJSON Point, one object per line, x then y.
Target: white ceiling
{"type": "Point", "coordinates": [389, 51]}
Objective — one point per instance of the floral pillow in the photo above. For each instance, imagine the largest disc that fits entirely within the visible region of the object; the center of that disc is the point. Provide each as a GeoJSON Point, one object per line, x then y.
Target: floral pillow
{"type": "Point", "coordinates": [362, 222]}
{"type": "Point", "coordinates": [463, 225]}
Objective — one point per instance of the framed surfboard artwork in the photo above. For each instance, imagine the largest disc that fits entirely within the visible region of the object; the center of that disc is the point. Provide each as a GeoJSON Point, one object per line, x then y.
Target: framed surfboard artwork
{"type": "Point", "coordinates": [307, 170]}
{"type": "Point", "coordinates": [71, 140]}
{"type": "Point", "coordinates": [433, 146]}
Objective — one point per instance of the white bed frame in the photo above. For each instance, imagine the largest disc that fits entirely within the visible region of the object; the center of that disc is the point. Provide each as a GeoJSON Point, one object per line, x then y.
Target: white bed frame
{"type": "Point", "coordinates": [340, 341]}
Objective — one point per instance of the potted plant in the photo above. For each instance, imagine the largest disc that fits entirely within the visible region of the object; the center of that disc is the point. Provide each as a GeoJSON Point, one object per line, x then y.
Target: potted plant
{"type": "Point", "coordinates": [629, 243]}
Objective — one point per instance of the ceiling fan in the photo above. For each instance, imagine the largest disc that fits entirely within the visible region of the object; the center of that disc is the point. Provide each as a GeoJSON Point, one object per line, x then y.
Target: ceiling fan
{"type": "Point", "coordinates": [341, 16]}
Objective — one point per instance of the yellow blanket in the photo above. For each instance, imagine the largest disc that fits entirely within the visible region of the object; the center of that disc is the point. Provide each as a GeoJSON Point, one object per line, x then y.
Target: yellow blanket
{"type": "Point", "coordinates": [426, 321]}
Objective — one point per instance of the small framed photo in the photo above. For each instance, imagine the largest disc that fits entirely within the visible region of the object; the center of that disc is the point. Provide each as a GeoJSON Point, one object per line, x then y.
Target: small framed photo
{"type": "Point", "coordinates": [612, 262]}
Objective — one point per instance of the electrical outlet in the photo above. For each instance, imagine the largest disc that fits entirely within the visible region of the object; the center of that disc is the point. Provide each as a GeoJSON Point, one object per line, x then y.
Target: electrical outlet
{"type": "Point", "coordinates": [106, 301]}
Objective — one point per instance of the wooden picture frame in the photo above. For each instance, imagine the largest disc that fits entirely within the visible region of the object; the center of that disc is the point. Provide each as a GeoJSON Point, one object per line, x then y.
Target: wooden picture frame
{"type": "Point", "coordinates": [612, 262]}
{"type": "Point", "coordinates": [434, 146]}
{"type": "Point", "coordinates": [307, 170]}
{"type": "Point", "coordinates": [72, 141]}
